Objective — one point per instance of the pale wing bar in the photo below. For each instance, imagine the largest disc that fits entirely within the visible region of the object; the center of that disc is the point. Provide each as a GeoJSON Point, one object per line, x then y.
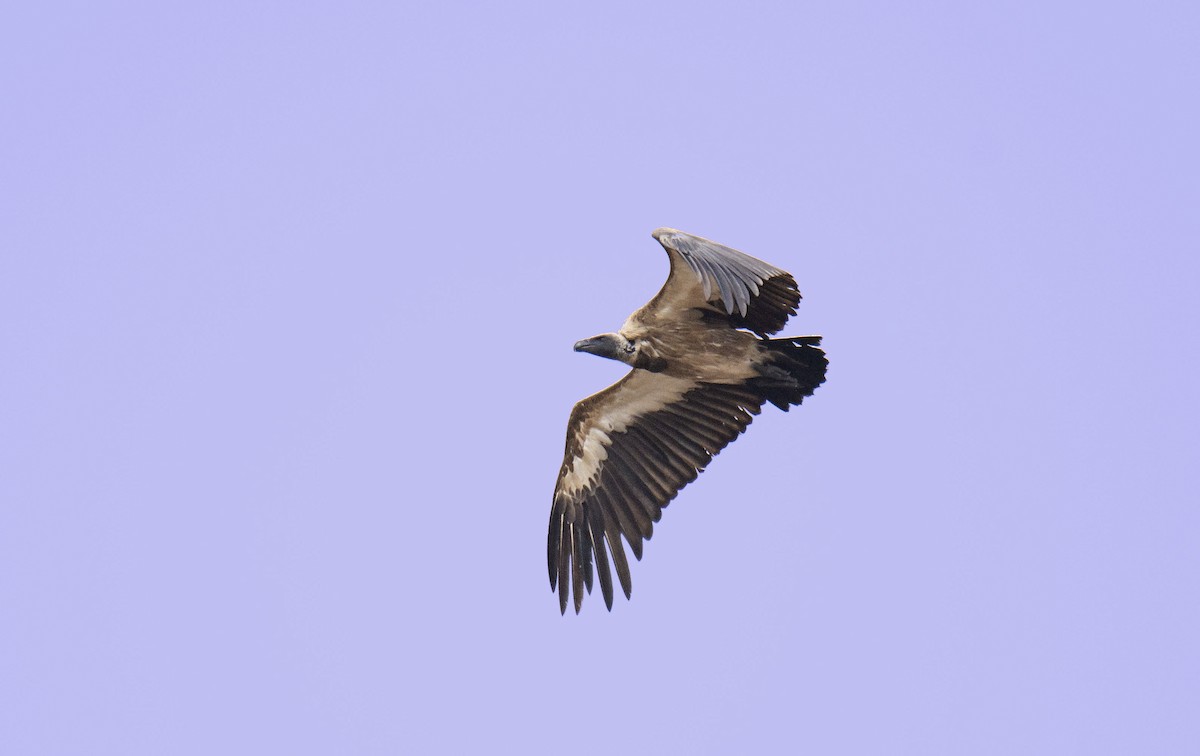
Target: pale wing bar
{"type": "Point", "coordinates": [646, 464]}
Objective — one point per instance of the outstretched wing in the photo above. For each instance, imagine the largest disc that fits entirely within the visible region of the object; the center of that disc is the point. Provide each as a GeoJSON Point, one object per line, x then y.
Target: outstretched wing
{"type": "Point", "coordinates": [751, 293]}
{"type": "Point", "coordinates": [630, 449]}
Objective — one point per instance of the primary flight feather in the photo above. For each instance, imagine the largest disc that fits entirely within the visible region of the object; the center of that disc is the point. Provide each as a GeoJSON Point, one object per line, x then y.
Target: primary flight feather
{"type": "Point", "coordinates": [699, 376]}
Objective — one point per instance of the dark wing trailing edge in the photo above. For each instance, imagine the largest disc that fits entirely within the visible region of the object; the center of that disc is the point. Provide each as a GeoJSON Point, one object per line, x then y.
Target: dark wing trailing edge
{"type": "Point", "coordinates": [754, 294]}
{"type": "Point", "coordinates": [630, 449]}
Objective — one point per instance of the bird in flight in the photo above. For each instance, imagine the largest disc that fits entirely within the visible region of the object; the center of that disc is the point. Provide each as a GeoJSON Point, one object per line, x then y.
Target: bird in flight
{"type": "Point", "coordinates": [700, 373]}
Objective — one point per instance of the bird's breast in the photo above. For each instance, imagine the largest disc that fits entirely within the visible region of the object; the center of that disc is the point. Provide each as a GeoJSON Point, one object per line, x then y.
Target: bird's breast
{"type": "Point", "coordinates": [715, 355]}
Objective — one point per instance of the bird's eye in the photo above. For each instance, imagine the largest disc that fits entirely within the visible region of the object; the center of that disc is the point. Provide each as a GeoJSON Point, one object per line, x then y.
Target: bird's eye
{"type": "Point", "coordinates": [630, 346]}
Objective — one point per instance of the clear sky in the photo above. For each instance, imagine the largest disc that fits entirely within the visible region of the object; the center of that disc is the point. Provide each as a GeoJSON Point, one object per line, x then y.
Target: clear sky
{"type": "Point", "coordinates": [287, 299]}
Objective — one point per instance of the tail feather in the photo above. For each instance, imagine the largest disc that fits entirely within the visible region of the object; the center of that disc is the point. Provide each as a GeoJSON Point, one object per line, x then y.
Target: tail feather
{"type": "Point", "coordinates": [792, 369]}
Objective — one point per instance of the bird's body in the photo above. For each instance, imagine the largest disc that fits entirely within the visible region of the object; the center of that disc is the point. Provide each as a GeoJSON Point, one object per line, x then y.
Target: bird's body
{"type": "Point", "coordinates": [697, 380]}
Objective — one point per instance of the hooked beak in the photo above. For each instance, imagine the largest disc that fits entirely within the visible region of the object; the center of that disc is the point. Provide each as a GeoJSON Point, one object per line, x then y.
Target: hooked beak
{"type": "Point", "coordinates": [604, 345]}
{"type": "Point", "coordinates": [593, 345]}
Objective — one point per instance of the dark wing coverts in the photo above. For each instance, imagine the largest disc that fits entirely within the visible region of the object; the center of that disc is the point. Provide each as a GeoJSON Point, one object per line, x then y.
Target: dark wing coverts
{"type": "Point", "coordinates": [755, 295]}
{"type": "Point", "coordinates": [630, 449]}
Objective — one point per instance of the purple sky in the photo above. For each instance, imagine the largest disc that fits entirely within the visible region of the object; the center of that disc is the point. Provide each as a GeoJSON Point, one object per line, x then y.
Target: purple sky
{"type": "Point", "coordinates": [287, 300]}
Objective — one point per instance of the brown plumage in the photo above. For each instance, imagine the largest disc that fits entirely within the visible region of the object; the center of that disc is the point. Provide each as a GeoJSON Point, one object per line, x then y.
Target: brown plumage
{"type": "Point", "coordinates": [699, 376]}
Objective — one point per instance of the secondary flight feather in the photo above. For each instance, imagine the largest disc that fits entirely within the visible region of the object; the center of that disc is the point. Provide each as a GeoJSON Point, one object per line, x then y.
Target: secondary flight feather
{"type": "Point", "coordinates": [703, 364]}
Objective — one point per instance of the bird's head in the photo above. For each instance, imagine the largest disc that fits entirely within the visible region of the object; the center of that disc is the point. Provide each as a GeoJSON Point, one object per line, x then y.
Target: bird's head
{"type": "Point", "coordinates": [636, 353]}
{"type": "Point", "coordinates": [614, 346]}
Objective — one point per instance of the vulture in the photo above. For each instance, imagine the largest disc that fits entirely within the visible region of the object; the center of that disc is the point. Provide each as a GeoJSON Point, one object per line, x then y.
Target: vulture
{"type": "Point", "coordinates": [703, 364]}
